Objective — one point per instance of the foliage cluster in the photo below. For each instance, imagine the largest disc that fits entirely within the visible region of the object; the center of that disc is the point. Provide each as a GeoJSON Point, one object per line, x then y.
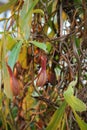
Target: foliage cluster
{"type": "Point", "coordinates": [43, 65]}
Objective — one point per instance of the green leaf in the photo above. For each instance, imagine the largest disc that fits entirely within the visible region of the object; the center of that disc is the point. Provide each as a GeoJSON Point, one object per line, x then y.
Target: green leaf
{"type": "Point", "coordinates": [56, 118]}
{"type": "Point", "coordinates": [7, 6]}
{"type": "Point", "coordinates": [70, 90]}
{"type": "Point", "coordinates": [77, 42]}
{"type": "Point", "coordinates": [75, 103]}
{"type": "Point", "coordinates": [49, 46]}
{"type": "Point", "coordinates": [49, 7]}
{"type": "Point", "coordinates": [26, 17]}
{"type": "Point", "coordinates": [40, 45]}
{"type": "Point", "coordinates": [14, 111]}
{"type": "Point", "coordinates": [30, 8]}
{"type": "Point", "coordinates": [81, 123]}
{"type": "Point", "coordinates": [14, 54]}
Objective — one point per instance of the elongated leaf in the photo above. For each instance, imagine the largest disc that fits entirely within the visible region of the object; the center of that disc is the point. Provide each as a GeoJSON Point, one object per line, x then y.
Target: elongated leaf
{"type": "Point", "coordinates": [81, 123]}
{"type": "Point", "coordinates": [73, 101]}
{"type": "Point", "coordinates": [14, 54]}
{"type": "Point", "coordinates": [42, 46]}
{"type": "Point", "coordinates": [25, 24]}
{"type": "Point", "coordinates": [6, 78]}
{"type": "Point", "coordinates": [26, 17]}
{"type": "Point", "coordinates": [30, 8]}
{"type": "Point", "coordinates": [7, 6]}
{"type": "Point", "coordinates": [56, 118]}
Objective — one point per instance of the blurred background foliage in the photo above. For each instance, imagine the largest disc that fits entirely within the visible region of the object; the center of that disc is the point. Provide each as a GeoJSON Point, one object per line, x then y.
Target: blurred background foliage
{"type": "Point", "coordinates": [43, 65]}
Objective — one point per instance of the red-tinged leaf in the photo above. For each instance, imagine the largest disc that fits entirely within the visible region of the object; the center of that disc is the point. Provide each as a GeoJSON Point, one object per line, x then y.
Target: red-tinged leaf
{"type": "Point", "coordinates": [13, 82]}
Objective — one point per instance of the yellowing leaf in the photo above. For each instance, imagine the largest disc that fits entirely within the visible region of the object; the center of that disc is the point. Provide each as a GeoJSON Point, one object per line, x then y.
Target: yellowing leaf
{"type": "Point", "coordinates": [54, 5]}
{"type": "Point", "coordinates": [64, 16]}
{"type": "Point", "coordinates": [23, 57]}
{"type": "Point", "coordinates": [10, 42]}
{"type": "Point", "coordinates": [46, 28]}
{"type": "Point", "coordinates": [28, 101]}
{"type": "Point", "coordinates": [51, 34]}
